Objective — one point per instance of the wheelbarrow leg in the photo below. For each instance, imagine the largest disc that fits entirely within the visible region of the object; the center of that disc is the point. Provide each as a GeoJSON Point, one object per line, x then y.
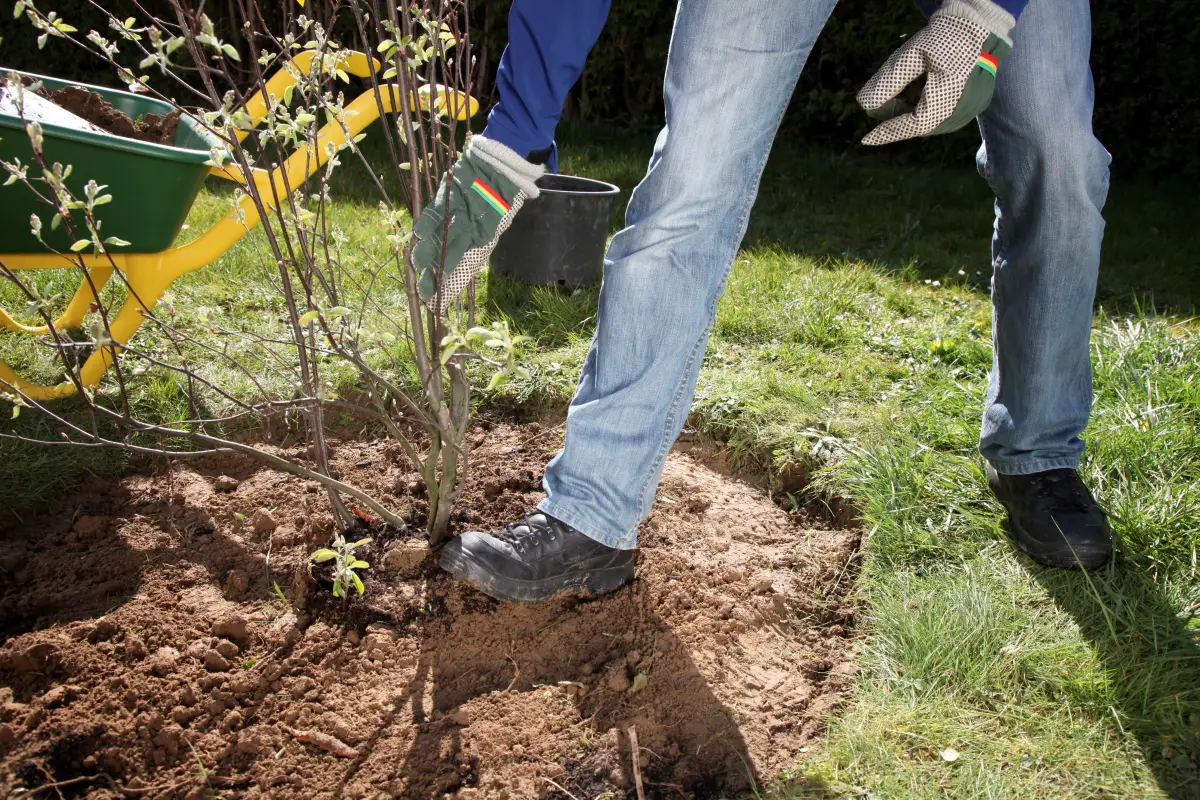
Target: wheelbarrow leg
{"type": "Point", "coordinates": [144, 293]}
{"type": "Point", "coordinates": [72, 317]}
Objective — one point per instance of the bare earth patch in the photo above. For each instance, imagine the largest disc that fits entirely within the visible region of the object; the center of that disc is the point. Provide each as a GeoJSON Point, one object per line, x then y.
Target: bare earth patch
{"type": "Point", "coordinates": [141, 641]}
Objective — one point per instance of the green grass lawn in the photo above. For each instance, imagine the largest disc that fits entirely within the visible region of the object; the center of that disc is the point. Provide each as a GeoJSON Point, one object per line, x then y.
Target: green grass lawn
{"type": "Point", "coordinates": [853, 340]}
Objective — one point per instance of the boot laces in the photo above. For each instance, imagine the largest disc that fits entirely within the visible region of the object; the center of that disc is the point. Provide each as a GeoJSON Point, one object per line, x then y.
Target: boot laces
{"type": "Point", "coordinates": [1061, 489]}
{"type": "Point", "coordinates": [527, 534]}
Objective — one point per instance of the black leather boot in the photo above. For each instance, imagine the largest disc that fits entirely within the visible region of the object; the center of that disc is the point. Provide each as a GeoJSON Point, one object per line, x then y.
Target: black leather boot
{"type": "Point", "coordinates": [536, 558]}
{"type": "Point", "coordinates": [1053, 518]}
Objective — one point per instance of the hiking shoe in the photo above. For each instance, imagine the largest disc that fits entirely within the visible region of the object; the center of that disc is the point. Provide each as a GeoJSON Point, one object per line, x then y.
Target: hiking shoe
{"type": "Point", "coordinates": [1053, 518]}
{"type": "Point", "coordinates": [536, 558]}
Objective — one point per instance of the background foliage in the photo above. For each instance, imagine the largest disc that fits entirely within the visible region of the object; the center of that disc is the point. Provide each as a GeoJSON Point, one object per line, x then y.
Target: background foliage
{"type": "Point", "coordinates": [1146, 56]}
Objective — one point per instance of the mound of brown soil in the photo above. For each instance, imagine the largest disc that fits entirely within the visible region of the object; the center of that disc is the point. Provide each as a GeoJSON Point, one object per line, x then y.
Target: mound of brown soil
{"type": "Point", "coordinates": [144, 655]}
{"type": "Point", "coordinates": [98, 111]}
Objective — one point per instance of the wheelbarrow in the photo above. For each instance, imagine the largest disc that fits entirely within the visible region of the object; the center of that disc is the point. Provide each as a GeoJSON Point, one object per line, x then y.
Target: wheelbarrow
{"type": "Point", "coordinates": [153, 187]}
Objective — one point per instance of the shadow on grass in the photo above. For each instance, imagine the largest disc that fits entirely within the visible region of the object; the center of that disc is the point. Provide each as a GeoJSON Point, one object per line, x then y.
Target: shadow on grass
{"type": "Point", "coordinates": [935, 222]}
{"type": "Point", "coordinates": [1152, 654]}
{"type": "Point", "coordinates": [552, 316]}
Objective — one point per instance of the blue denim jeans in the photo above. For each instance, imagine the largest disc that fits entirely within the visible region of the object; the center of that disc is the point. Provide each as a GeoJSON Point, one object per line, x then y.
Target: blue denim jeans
{"type": "Point", "coordinates": [730, 74]}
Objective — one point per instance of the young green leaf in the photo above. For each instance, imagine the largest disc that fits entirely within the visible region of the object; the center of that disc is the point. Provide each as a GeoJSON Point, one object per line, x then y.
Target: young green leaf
{"type": "Point", "coordinates": [448, 351]}
{"type": "Point", "coordinates": [308, 317]}
{"type": "Point", "coordinates": [80, 245]}
{"type": "Point", "coordinates": [358, 584]}
{"type": "Point", "coordinates": [323, 555]}
{"type": "Point", "coordinates": [337, 312]}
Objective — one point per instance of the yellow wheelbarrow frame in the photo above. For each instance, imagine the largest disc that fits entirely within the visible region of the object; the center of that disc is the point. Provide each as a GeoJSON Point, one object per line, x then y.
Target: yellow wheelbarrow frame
{"type": "Point", "coordinates": [148, 275]}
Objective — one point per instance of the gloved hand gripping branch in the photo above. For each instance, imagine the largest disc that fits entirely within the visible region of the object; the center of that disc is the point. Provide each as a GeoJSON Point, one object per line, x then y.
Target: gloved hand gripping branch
{"type": "Point", "coordinates": [959, 50]}
{"type": "Point", "coordinates": [486, 187]}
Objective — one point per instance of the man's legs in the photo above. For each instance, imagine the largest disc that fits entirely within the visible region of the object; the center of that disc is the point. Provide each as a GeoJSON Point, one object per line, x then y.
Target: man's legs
{"type": "Point", "coordinates": [730, 74]}
{"type": "Point", "coordinates": [1050, 176]}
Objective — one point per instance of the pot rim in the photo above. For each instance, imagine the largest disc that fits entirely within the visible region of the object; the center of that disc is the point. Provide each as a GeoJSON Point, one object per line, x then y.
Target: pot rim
{"type": "Point", "coordinates": [608, 190]}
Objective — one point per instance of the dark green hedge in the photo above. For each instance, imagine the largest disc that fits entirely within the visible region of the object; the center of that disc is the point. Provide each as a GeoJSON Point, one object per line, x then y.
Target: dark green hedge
{"type": "Point", "coordinates": [1146, 61]}
{"type": "Point", "coordinates": [1145, 57]}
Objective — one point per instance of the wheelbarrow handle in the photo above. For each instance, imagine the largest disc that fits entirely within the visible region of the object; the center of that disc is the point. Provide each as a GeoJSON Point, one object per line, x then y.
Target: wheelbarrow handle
{"type": "Point", "coordinates": [441, 98]}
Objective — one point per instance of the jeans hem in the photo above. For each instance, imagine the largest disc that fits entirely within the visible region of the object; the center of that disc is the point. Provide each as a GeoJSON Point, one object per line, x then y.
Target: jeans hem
{"type": "Point", "coordinates": [587, 528]}
{"type": "Point", "coordinates": [1033, 467]}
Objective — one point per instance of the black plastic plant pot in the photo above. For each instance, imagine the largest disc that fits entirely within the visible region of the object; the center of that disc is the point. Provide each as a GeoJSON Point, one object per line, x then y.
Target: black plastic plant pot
{"type": "Point", "coordinates": [558, 239]}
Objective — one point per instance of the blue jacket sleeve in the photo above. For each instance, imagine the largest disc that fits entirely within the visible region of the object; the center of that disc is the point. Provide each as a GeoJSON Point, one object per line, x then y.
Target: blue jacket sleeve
{"type": "Point", "coordinates": [548, 44]}
{"type": "Point", "coordinates": [1014, 7]}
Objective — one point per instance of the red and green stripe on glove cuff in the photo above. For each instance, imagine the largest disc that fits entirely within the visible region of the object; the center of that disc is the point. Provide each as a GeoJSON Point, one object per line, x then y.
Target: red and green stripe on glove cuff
{"type": "Point", "coordinates": [480, 195]}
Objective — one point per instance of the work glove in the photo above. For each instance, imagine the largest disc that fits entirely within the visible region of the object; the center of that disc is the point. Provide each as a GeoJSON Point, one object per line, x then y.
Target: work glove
{"type": "Point", "coordinates": [487, 187]}
{"type": "Point", "coordinates": [959, 51]}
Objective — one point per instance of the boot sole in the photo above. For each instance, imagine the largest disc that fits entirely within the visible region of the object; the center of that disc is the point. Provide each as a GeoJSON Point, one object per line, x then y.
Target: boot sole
{"type": "Point", "coordinates": [586, 584]}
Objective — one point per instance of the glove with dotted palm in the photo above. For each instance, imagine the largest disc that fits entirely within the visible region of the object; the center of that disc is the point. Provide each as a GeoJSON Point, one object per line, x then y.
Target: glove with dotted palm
{"type": "Point", "coordinates": [958, 51]}
{"type": "Point", "coordinates": [483, 191]}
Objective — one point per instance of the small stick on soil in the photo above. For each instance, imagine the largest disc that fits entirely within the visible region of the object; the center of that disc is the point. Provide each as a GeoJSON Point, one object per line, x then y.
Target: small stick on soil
{"type": "Point", "coordinates": [637, 763]}
{"type": "Point", "coordinates": [324, 741]}
{"type": "Point", "coordinates": [561, 789]}
{"type": "Point", "coordinates": [56, 785]}
{"type": "Point", "coordinates": [161, 787]}
{"type": "Point", "coordinates": [516, 673]}
{"type": "Point", "coordinates": [674, 787]}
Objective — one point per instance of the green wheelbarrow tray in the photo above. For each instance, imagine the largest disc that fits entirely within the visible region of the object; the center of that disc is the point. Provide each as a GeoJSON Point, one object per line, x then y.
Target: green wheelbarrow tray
{"type": "Point", "coordinates": [153, 186]}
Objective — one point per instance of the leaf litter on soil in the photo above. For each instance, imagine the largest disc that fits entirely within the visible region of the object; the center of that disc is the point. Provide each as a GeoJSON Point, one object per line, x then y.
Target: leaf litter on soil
{"type": "Point", "coordinates": [144, 645]}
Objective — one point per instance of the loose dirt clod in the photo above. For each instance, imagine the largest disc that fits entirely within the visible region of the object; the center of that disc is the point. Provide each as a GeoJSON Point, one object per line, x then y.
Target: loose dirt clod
{"type": "Point", "coordinates": [446, 692]}
{"type": "Point", "coordinates": [405, 555]}
{"type": "Point", "coordinates": [234, 627]}
{"type": "Point", "coordinates": [224, 483]}
{"type": "Point", "coordinates": [215, 662]}
{"type": "Point", "coordinates": [263, 521]}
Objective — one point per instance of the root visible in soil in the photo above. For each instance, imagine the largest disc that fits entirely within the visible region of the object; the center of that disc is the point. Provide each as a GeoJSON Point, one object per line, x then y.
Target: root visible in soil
{"type": "Point", "coordinates": [141, 639]}
{"type": "Point", "coordinates": [101, 113]}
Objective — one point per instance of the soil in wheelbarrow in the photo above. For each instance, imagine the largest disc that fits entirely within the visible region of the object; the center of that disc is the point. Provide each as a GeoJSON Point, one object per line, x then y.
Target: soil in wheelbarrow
{"type": "Point", "coordinates": [145, 655]}
{"type": "Point", "coordinates": [101, 113]}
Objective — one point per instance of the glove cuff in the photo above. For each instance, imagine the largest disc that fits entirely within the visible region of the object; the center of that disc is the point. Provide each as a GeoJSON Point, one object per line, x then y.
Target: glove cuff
{"type": "Point", "coordinates": [981, 12]}
{"type": "Point", "coordinates": [505, 160]}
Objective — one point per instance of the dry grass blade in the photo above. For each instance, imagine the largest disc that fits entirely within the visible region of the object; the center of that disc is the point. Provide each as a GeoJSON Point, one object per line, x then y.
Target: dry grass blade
{"type": "Point", "coordinates": [560, 788]}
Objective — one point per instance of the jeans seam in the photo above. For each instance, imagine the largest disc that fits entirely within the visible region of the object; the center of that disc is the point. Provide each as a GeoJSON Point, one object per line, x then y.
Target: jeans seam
{"type": "Point", "coordinates": [664, 446]}
{"type": "Point", "coordinates": [1041, 465]}
{"type": "Point", "coordinates": [989, 175]}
